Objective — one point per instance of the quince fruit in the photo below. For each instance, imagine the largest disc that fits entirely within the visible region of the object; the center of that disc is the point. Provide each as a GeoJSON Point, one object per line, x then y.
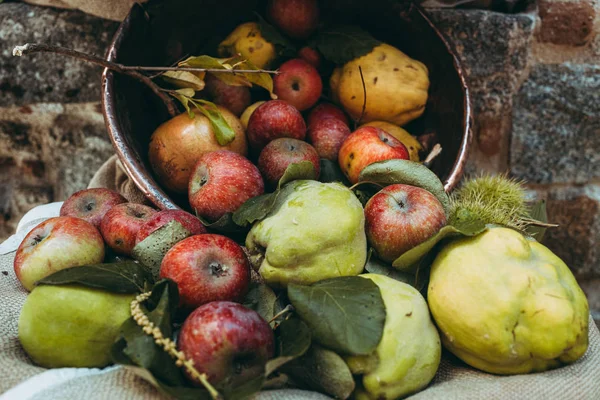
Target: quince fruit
{"type": "Point", "coordinates": [409, 352]}
{"type": "Point", "coordinates": [507, 305]}
{"type": "Point", "coordinates": [247, 41]}
{"type": "Point", "coordinates": [71, 325]}
{"type": "Point", "coordinates": [396, 86]}
{"type": "Point", "coordinates": [314, 231]}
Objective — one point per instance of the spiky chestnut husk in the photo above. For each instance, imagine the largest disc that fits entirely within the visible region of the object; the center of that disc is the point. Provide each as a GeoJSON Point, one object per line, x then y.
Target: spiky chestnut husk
{"type": "Point", "coordinates": [495, 199]}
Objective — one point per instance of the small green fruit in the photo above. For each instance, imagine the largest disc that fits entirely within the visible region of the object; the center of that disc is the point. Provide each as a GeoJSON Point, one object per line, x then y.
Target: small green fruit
{"type": "Point", "coordinates": [71, 325]}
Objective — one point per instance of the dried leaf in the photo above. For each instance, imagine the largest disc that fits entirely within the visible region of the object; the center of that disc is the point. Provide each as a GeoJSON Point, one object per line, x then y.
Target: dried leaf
{"type": "Point", "coordinates": [183, 79]}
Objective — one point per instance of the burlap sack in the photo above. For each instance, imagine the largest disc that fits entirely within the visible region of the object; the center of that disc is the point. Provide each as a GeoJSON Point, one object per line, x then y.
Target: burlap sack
{"type": "Point", "coordinates": [21, 380]}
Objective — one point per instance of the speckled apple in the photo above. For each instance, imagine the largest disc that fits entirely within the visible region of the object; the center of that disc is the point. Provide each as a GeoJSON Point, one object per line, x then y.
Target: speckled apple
{"type": "Point", "coordinates": [91, 204]}
{"type": "Point", "coordinates": [227, 341]}
{"type": "Point", "coordinates": [190, 222]}
{"type": "Point", "coordinates": [206, 268]}
{"type": "Point", "coordinates": [221, 182]}
{"type": "Point", "coordinates": [326, 110]}
{"type": "Point", "coordinates": [327, 135]}
{"type": "Point", "coordinates": [298, 83]}
{"type": "Point", "coordinates": [400, 217]}
{"type": "Point", "coordinates": [56, 244]}
{"type": "Point", "coordinates": [234, 98]}
{"type": "Point", "coordinates": [121, 224]}
{"type": "Point", "coordinates": [365, 146]}
{"type": "Point", "coordinates": [296, 18]}
{"type": "Point", "coordinates": [272, 120]}
{"type": "Point", "coordinates": [280, 153]}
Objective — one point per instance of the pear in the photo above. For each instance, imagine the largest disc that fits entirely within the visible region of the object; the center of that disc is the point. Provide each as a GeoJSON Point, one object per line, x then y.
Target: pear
{"type": "Point", "coordinates": [71, 325]}
{"type": "Point", "coordinates": [314, 231]}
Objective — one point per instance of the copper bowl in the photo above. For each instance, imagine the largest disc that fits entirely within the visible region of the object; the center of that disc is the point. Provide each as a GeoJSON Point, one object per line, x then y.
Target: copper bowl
{"type": "Point", "coordinates": [162, 32]}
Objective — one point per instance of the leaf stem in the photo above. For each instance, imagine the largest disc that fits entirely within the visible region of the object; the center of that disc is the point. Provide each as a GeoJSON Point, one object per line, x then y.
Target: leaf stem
{"type": "Point", "coordinates": [287, 309]}
{"type": "Point", "coordinates": [28, 48]}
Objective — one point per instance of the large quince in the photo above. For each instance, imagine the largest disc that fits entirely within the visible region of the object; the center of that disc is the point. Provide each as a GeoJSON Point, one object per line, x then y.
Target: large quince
{"type": "Point", "coordinates": [396, 86]}
{"type": "Point", "coordinates": [247, 41]}
{"type": "Point", "coordinates": [507, 305]}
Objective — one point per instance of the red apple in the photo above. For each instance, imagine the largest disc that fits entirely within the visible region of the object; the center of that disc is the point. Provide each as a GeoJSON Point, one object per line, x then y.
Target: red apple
{"type": "Point", "coordinates": [222, 181]}
{"type": "Point", "coordinates": [274, 119]}
{"type": "Point", "coordinates": [206, 268]}
{"type": "Point", "coordinates": [298, 83]}
{"type": "Point", "coordinates": [55, 244]}
{"type": "Point", "coordinates": [296, 18]}
{"type": "Point", "coordinates": [326, 110]}
{"type": "Point", "coordinates": [121, 225]}
{"type": "Point", "coordinates": [310, 55]}
{"type": "Point", "coordinates": [400, 217]}
{"type": "Point", "coordinates": [227, 342]}
{"type": "Point", "coordinates": [233, 98]}
{"type": "Point", "coordinates": [365, 146]}
{"type": "Point", "coordinates": [191, 223]}
{"type": "Point", "coordinates": [91, 204]}
{"type": "Point", "coordinates": [327, 136]}
{"type": "Point", "coordinates": [280, 153]}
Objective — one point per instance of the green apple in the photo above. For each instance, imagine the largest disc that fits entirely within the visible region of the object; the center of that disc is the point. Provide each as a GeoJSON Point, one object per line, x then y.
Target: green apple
{"type": "Point", "coordinates": [409, 352]}
{"type": "Point", "coordinates": [314, 231]}
{"type": "Point", "coordinates": [71, 325]}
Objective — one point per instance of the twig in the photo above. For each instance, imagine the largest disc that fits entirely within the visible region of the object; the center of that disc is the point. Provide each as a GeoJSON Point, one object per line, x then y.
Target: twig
{"type": "Point", "coordinates": [287, 309]}
{"type": "Point", "coordinates": [364, 107]}
{"type": "Point", "coordinates": [437, 149]}
{"type": "Point", "coordinates": [28, 48]}
{"type": "Point", "coordinates": [533, 222]}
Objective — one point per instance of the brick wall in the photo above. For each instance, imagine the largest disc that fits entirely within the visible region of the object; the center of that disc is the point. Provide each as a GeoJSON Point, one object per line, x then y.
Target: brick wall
{"type": "Point", "coordinates": [534, 76]}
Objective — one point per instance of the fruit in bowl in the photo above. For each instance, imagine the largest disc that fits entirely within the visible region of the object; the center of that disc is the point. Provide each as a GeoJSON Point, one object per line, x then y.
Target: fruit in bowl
{"type": "Point", "coordinates": [91, 204]}
{"type": "Point", "coordinates": [280, 153]}
{"type": "Point", "coordinates": [298, 83]}
{"type": "Point", "coordinates": [272, 120]}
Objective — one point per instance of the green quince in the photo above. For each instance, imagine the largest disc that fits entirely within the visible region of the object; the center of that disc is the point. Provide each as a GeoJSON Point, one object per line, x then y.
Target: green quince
{"type": "Point", "coordinates": [507, 305]}
{"type": "Point", "coordinates": [409, 353]}
{"type": "Point", "coordinates": [314, 231]}
{"type": "Point", "coordinates": [71, 325]}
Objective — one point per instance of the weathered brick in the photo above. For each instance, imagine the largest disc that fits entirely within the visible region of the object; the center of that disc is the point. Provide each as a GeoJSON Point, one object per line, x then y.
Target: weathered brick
{"type": "Point", "coordinates": [566, 22]}
{"type": "Point", "coordinates": [556, 125]}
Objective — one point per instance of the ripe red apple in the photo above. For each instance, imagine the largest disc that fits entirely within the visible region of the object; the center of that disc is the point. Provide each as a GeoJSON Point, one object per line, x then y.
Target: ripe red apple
{"type": "Point", "coordinates": [233, 98]}
{"type": "Point", "coordinates": [365, 146]}
{"type": "Point", "coordinates": [399, 217]}
{"type": "Point", "coordinates": [207, 268]}
{"type": "Point", "coordinates": [121, 225]}
{"type": "Point", "coordinates": [310, 55]}
{"type": "Point", "coordinates": [298, 83]}
{"type": "Point", "coordinates": [91, 204]}
{"type": "Point", "coordinates": [55, 244]}
{"type": "Point", "coordinates": [227, 341]}
{"type": "Point", "coordinates": [222, 181]}
{"type": "Point", "coordinates": [274, 119]}
{"type": "Point", "coordinates": [280, 153]}
{"type": "Point", "coordinates": [191, 223]}
{"type": "Point", "coordinates": [327, 136]}
{"type": "Point", "coordinates": [296, 18]}
{"type": "Point", "coordinates": [326, 110]}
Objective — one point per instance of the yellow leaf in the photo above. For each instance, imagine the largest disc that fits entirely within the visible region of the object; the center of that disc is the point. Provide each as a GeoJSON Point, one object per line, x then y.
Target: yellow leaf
{"type": "Point", "coordinates": [183, 79]}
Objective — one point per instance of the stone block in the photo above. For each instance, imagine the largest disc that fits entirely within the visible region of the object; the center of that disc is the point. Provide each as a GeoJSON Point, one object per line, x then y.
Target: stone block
{"type": "Point", "coordinates": [495, 52]}
{"type": "Point", "coordinates": [556, 125]}
{"type": "Point", "coordinates": [566, 22]}
{"type": "Point", "coordinates": [48, 77]}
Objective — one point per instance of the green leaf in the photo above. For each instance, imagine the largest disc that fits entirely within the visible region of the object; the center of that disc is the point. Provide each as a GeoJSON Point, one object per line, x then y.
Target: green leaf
{"type": "Point", "coordinates": [255, 209]}
{"type": "Point", "coordinates": [263, 79]}
{"type": "Point", "coordinates": [261, 299]}
{"type": "Point", "coordinates": [323, 371]}
{"type": "Point", "coordinates": [344, 43]}
{"type": "Point", "coordinates": [345, 314]}
{"type": "Point", "coordinates": [407, 172]}
{"type": "Point", "coordinates": [538, 213]}
{"type": "Point", "coordinates": [293, 339]}
{"type": "Point", "coordinates": [151, 250]}
{"type": "Point", "coordinates": [223, 132]}
{"type": "Point", "coordinates": [297, 171]}
{"type": "Point", "coordinates": [224, 224]}
{"type": "Point", "coordinates": [331, 172]}
{"type": "Point", "coordinates": [184, 95]}
{"type": "Point", "coordinates": [283, 46]}
{"type": "Point", "coordinates": [183, 79]}
{"type": "Point", "coordinates": [409, 261]}
{"type": "Point", "coordinates": [120, 277]}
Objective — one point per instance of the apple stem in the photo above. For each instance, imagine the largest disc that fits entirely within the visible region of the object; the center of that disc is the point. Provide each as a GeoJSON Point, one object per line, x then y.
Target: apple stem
{"type": "Point", "coordinates": [167, 344]}
{"type": "Point", "coordinates": [287, 309]}
{"type": "Point", "coordinates": [437, 149]}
